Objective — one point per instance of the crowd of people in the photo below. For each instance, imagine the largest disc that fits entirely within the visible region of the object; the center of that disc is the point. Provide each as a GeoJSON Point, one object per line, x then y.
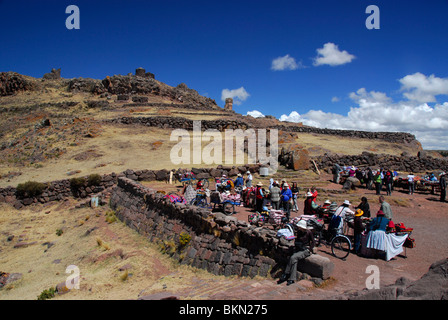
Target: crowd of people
{"type": "Point", "coordinates": [384, 178]}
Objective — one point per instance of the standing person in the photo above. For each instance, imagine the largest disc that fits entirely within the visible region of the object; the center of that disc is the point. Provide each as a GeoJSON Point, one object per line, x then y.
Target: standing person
{"type": "Point", "coordinates": [310, 206]}
{"type": "Point", "coordinates": [365, 207]}
{"type": "Point", "coordinates": [336, 173]}
{"type": "Point", "coordinates": [295, 194]}
{"type": "Point", "coordinates": [304, 246]}
{"type": "Point", "coordinates": [369, 182]}
{"type": "Point", "coordinates": [275, 196]}
{"type": "Point", "coordinates": [336, 225]}
{"type": "Point", "coordinates": [388, 181]}
{"type": "Point", "coordinates": [249, 179]}
{"type": "Point", "coordinates": [285, 197]}
{"type": "Point", "coordinates": [259, 197]}
{"type": "Point", "coordinates": [411, 182]}
{"type": "Point", "coordinates": [378, 182]}
{"type": "Point", "coordinates": [385, 208]}
{"type": "Point", "coordinates": [442, 183]}
{"type": "Point", "coordinates": [358, 229]}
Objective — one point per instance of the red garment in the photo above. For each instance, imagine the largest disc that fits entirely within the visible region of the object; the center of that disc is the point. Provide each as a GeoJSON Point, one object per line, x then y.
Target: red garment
{"type": "Point", "coordinates": [258, 194]}
{"type": "Point", "coordinates": [308, 210]}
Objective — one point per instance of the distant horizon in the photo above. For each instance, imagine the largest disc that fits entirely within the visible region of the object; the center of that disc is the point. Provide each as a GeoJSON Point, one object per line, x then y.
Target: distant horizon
{"type": "Point", "coordinates": [321, 63]}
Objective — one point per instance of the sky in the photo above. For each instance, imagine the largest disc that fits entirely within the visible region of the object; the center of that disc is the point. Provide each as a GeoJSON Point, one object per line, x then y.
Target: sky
{"type": "Point", "coordinates": [325, 63]}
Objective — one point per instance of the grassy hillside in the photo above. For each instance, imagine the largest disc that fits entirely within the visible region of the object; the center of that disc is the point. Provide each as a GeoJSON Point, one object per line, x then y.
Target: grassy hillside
{"type": "Point", "coordinates": [54, 131]}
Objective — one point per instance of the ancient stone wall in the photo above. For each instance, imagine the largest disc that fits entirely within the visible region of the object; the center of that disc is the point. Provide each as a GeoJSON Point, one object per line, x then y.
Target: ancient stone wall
{"type": "Point", "coordinates": [219, 244]}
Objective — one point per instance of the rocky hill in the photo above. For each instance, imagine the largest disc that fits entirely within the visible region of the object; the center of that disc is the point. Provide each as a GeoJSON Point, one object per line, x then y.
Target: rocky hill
{"type": "Point", "coordinates": [51, 127]}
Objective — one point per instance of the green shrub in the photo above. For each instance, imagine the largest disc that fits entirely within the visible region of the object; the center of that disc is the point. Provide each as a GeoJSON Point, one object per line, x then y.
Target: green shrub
{"type": "Point", "coordinates": [30, 189]}
{"type": "Point", "coordinates": [59, 232]}
{"type": "Point", "coordinates": [47, 294]}
{"type": "Point", "coordinates": [77, 183]}
{"type": "Point", "coordinates": [94, 180]}
{"type": "Point", "coordinates": [184, 239]}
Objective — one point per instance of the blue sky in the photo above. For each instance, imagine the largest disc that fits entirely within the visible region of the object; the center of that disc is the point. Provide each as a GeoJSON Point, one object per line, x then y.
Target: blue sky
{"type": "Point", "coordinates": [262, 53]}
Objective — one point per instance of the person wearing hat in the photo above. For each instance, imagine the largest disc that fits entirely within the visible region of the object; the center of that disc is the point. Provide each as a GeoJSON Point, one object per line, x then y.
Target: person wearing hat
{"type": "Point", "coordinates": [358, 229]}
{"type": "Point", "coordinates": [275, 196]}
{"type": "Point", "coordinates": [310, 206]}
{"type": "Point", "coordinates": [286, 195]}
{"type": "Point", "coordinates": [376, 237]}
{"type": "Point", "coordinates": [239, 181]}
{"type": "Point", "coordinates": [304, 247]}
{"type": "Point", "coordinates": [259, 197]}
{"type": "Point", "coordinates": [442, 184]}
{"type": "Point", "coordinates": [336, 225]}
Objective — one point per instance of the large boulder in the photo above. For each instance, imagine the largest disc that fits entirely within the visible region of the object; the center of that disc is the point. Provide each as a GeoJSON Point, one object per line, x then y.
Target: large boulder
{"type": "Point", "coordinates": [316, 266]}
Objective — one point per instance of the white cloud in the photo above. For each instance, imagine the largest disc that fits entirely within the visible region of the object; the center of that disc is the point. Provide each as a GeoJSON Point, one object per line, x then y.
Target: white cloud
{"type": "Point", "coordinates": [335, 99]}
{"type": "Point", "coordinates": [331, 55]}
{"type": "Point", "coordinates": [421, 88]}
{"type": "Point", "coordinates": [285, 63]}
{"type": "Point", "coordinates": [255, 114]}
{"type": "Point", "coordinates": [238, 95]}
{"type": "Point", "coordinates": [375, 111]}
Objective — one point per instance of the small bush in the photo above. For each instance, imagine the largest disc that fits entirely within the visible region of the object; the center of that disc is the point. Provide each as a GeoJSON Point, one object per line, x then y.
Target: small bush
{"type": "Point", "coordinates": [59, 232]}
{"type": "Point", "coordinates": [76, 183]}
{"type": "Point", "coordinates": [110, 216]}
{"type": "Point", "coordinates": [30, 189]}
{"type": "Point", "coordinates": [184, 239]}
{"type": "Point", "coordinates": [47, 294]}
{"type": "Point", "coordinates": [94, 180]}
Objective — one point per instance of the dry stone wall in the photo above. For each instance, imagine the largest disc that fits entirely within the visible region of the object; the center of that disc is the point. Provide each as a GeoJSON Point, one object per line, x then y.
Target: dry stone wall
{"type": "Point", "coordinates": [220, 244]}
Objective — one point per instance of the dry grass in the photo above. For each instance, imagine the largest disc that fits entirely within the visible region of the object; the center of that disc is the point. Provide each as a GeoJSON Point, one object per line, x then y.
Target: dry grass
{"type": "Point", "coordinates": [97, 248]}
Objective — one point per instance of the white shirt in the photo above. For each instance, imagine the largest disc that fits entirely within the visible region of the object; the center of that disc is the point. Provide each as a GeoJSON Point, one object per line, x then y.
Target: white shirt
{"type": "Point", "coordinates": [411, 178]}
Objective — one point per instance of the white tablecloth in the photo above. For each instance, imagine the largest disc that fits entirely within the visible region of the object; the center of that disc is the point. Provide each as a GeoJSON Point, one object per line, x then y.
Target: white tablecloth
{"type": "Point", "coordinates": [388, 242]}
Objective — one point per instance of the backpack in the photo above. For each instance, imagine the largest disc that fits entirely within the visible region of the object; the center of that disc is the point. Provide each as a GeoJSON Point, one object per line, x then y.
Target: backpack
{"type": "Point", "coordinates": [334, 222]}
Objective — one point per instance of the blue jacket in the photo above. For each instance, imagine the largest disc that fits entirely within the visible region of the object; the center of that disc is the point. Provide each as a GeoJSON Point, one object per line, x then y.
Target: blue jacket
{"type": "Point", "coordinates": [239, 182]}
{"type": "Point", "coordinates": [286, 194]}
{"type": "Point", "coordinates": [379, 223]}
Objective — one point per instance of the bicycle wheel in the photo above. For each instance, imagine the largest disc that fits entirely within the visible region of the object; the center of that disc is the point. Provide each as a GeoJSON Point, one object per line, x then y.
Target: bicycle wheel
{"type": "Point", "coordinates": [340, 247]}
{"type": "Point", "coordinates": [227, 208]}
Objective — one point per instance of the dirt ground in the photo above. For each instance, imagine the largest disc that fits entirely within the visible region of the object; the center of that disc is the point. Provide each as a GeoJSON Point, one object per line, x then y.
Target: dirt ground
{"type": "Point", "coordinates": [127, 266]}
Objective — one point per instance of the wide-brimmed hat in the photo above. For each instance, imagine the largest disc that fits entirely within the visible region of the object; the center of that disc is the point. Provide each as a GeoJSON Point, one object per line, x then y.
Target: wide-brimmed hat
{"type": "Point", "coordinates": [442, 174]}
{"type": "Point", "coordinates": [259, 184]}
{"type": "Point", "coordinates": [380, 213]}
{"type": "Point", "coordinates": [301, 224]}
{"type": "Point", "coordinates": [239, 175]}
{"type": "Point", "coordinates": [309, 194]}
{"type": "Point", "coordinates": [327, 202]}
{"type": "Point", "coordinates": [359, 213]}
{"type": "Point", "coordinates": [285, 185]}
{"type": "Point", "coordinates": [347, 202]}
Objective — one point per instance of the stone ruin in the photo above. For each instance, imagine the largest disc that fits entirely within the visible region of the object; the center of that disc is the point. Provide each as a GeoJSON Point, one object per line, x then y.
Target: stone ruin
{"type": "Point", "coordinates": [229, 104]}
{"type": "Point", "coordinates": [55, 74]}
{"type": "Point", "coordinates": [140, 72]}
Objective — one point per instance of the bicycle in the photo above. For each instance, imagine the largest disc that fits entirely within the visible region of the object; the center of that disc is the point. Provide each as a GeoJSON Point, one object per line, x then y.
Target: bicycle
{"type": "Point", "coordinates": [340, 243]}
